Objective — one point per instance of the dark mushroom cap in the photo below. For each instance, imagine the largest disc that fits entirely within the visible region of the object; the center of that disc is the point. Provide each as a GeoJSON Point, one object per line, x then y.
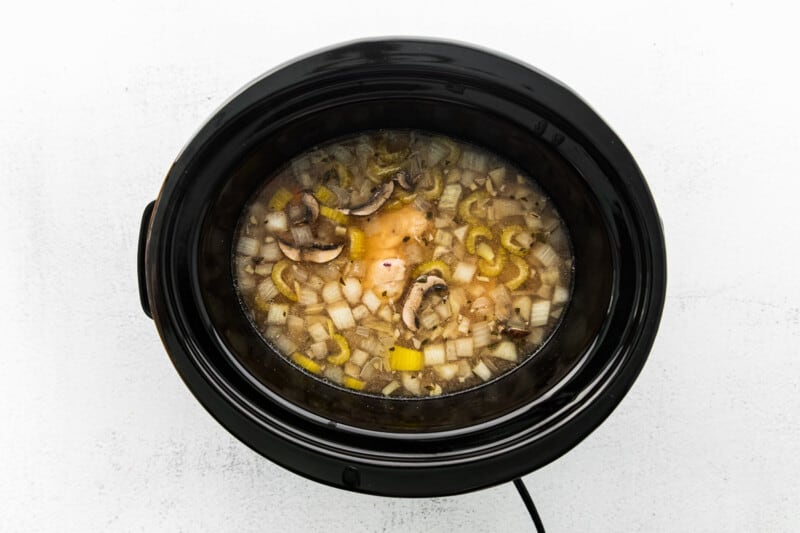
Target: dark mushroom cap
{"type": "Point", "coordinates": [316, 253]}
{"type": "Point", "coordinates": [375, 202]}
{"type": "Point", "coordinates": [415, 295]}
{"type": "Point", "coordinates": [405, 180]}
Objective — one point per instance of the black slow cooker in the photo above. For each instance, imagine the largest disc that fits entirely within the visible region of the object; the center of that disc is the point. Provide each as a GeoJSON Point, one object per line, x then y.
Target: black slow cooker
{"type": "Point", "coordinates": [407, 447]}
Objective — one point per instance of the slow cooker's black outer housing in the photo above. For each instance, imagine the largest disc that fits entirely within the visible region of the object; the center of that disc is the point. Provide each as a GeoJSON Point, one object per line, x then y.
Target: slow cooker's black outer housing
{"type": "Point", "coordinates": [332, 453]}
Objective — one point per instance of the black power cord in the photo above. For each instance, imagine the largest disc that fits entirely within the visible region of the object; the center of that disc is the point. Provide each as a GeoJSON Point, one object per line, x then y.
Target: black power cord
{"type": "Point", "coordinates": [526, 498]}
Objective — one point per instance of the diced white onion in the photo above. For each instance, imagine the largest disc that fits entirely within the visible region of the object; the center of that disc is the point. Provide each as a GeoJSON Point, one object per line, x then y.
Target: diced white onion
{"type": "Point", "coordinates": [463, 324]}
{"type": "Point", "coordinates": [356, 269]}
{"type": "Point", "coordinates": [307, 296]}
{"type": "Point", "coordinates": [447, 371]}
{"type": "Point", "coordinates": [333, 373]}
{"type": "Point", "coordinates": [245, 282]}
{"type": "Point", "coordinates": [457, 299]}
{"type": "Point", "coordinates": [248, 246]}
{"type": "Point", "coordinates": [318, 332]}
{"type": "Point", "coordinates": [273, 332]}
{"type": "Point", "coordinates": [440, 222]}
{"type": "Point", "coordinates": [435, 354]}
{"type": "Point", "coordinates": [449, 199]}
{"type": "Point", "coordinates": [482, 371]}
{"type": "Point", "coordinates": [331, 292]}
{"type": "Point", "coordinates": [352, 290]}
{"type": "Point", "coordinates": [352, 369]}
{"type": "Point", "coordinates": [367, 371]}
{"type": "Point", "coordinates": [296, 325]}
{"type": "Point", "coordinates": [315, 282]}
{"type": "Point", "coordinates": [360, 313]}
{"type": "Point", "coordinates": [465, 347]}
{"type": "Point", "coordinates": [464, 370]}
{"type": "Point", "coordinates": [390, 388]}
{"type": "Point", "coordinates": [385, 313]}
{"type": "Point", "coordinates": [429, 320]}
{"type": "Point", "coordinates": [497, 175]}
{"type": "Point", "coordinates": [481, 334]}
{"type": "Point", "coordinates": [264, 269]}
{"type": "Point", "coordinates": [476, 290]}
{"type": "Point", "coordinates": [341, 315]}
{"type": "Point", "coordinates": [443, 310]}
{"type": "Point", "coordinates": [468, 179]}
{"type": "Point", "coordinates": [371, 300]}
{"type": "Point", "coordinates": [474, 161]}
{"type": "Point", "coordinates": [450, 350]}
{"type": "Point", "coordinates": [461, 232]}
{"type": "Point", "coordinates": [359, 357]}
{"type": "Point", "coordinates": [443, 238]}
{"type": "Point", "coordinates": [276, 222]}
{"type": "Point", "coordinates": [450, 329]}
{"type": "Point", "coordinates": [536, 336]}
{"type": "Point", "coordinates": [302, 235]}
{"type": "Point", "coordinates": [440, 251]}
{"type": "Point", "coordinates": [506, 207]}
{"type": "Point", "coordinates": [284, 344]}
{"type": "Point", "coordinates": [544, 253]}
{"type": "Point", "coordinates": [482, 306]}
{"type": "Point", "coordinates": [549, 276]}
{"type": "Point", "coordinates": [505, 350]}
{"type": "Point", "coordinates": [410, 382]}
{"type": "Point", "coordinates": [545, 291]}
{"type": "Point", "coordinates": [300, 274]}
{"type": "Point", "coordinates": [423, 205]}
{"type": "Point", "coordinates": [318, 350]}
{"type": "Point", "coordinates": [525, 239]}
{"type": "Point", "coordinates": [560, 295]}
{"type": "Point", "coordinates": [315, 309]}
{"type": "Point", "coordinates": [437, 151]}
{"type": "Point", "coordinates": [277, 314]}
{"type": "Point", "coordinates": [379, 326]}
{"type": "Point", "coordinates": [533, 221]}
{"type": "Point", "coordinates": [540, 313]}
{"type": "Point", "coordinates": [342, 154]}
{"type": "Point", "coordinates": [267, 290]}
{"type": "Point", "coordinates": [464, 272]}
{"type": "Point", "coordinates": [502, 303]}
{"type": "Point", "coordinates": [270, 252]}
{"type": "Point", "coordinates": [550, 223]}
{"type": "Point", "coordinates": [522, 307]}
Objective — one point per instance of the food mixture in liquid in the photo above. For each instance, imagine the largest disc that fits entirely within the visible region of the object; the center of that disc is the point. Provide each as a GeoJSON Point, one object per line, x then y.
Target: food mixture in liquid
{"type": "Point", "coordinates": [401, 263]}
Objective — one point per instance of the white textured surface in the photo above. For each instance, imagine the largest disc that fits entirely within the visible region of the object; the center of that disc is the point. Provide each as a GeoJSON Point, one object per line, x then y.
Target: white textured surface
{"type": "Point", "coordinates": [98, 433]}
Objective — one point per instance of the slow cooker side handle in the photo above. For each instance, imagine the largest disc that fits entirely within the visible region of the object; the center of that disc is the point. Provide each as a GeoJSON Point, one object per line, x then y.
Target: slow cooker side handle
{"type": "Point", "coordinates": [143, 229]}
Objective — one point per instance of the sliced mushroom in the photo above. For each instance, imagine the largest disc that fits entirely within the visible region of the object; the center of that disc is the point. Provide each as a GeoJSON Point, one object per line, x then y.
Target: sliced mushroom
{"type": "Point", "coordinates": [303, 210]}
{"type": "Point", "coordinates": [515, 328]}
{"type": "Point", "coordinates": [405, 180]}
{"type": "Point", "coordinates": [316, 253]}
{"type": "Point", "coordinates": [322, 253]}
{"type": "Point", "coordinates": [296, 213]}
{"type": "Point", "coordinates": [311, 204]}
{"type": "Point", "coordinates": [289, 250]}
{"type": "Point", "coordinates": [416, 293]}
{"type": "Point", "coordinates": [375, 202]}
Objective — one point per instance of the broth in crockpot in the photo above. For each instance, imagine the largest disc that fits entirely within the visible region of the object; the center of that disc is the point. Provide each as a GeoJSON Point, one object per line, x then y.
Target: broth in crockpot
{"type": "Point", "coordinates": [401, 263]}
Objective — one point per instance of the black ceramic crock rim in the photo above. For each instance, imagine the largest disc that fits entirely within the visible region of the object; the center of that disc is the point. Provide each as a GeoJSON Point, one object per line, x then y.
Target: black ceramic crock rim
{"type": "Point", "coordinates": [340, 470]}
